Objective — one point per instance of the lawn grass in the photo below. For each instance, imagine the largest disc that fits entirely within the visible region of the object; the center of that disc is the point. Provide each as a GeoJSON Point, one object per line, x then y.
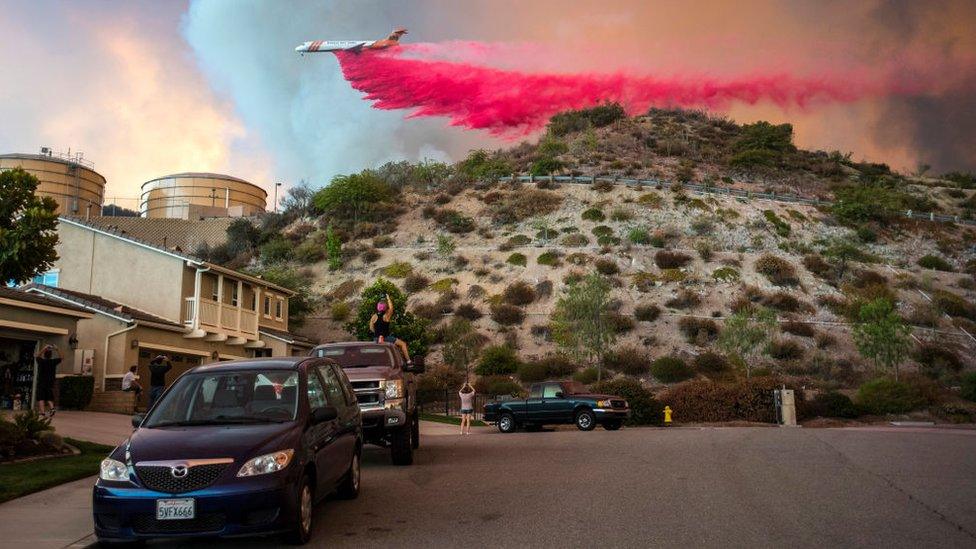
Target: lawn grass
{"type": "Point", "coordinates": [20, 479]}
{"type": "Point", "coordinates": [451, 420]}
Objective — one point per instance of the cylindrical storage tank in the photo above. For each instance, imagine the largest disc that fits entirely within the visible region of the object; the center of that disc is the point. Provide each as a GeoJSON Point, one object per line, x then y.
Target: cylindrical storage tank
{"type": "Point", "coordinates": [78, 189]}
{"type": "Point", "coordinates": [196, 195]}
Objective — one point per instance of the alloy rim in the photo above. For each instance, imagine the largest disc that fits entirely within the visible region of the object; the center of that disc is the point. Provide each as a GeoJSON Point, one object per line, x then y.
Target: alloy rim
{"type": "Point", "coordinates": [584, 420]}
{"type": "Point", "coordinates": [306, 509]}
{"type": "Point", "coordinates": [506, 423]}
{"type": "Point", "coordinates": [355, 472]}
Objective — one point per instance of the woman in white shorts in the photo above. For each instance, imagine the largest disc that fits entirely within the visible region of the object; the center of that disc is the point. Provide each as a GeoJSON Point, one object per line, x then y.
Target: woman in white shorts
{"type": "Point", "coordinates": [467, 407]}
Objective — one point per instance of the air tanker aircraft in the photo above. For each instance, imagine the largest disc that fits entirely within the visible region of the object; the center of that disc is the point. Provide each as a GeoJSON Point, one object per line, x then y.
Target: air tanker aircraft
{"type": "Point", "coordinates": [355, 46]}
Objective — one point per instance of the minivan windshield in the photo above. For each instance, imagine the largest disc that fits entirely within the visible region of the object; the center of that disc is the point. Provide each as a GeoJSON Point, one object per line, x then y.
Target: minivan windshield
{"type": "Point", "coordinates": [213, 398]}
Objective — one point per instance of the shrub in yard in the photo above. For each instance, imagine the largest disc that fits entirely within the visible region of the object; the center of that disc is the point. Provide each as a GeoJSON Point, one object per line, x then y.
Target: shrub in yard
{"type": "Point", "coordinates": [415, 282]}
{"type": "Point", "coordinates": [698, 331]}
{"type": "Point", "coordinates": [76, 391]}
{"type": "Point", "coordinates": [575, 240]}
{"type": "Point", "coordinates": [778, 270]}
{"type": "Point", "coordinates": [399, 269]}
{"type": "Point", "coordinates": [627, 360]}
{"type": "Point", "coordinates": [785, 349]}
{"type": "Point", "coordinates": [593, 214]}
{"type": "Point", "coordinates": [936, 263]}
{"type": "Point", "coordinates": [10, 436]}
{"type": "Point", "coordinates": [606, 266]}
{"type": "Point", "coordinates": [709, 401]}
{"type": "Point", "coordinates": [507, 315]}
{"type": "Point", "coordinates": [887, 396]}
{"type": "Point", "coordinates": [644, 408]}
{"type": "Point", "coordinates": [550, 258]}
{"type": "Point", "coordinates": [647, 312]}
{"type": "Point", "coordinates": [726, 274]}
{"type": "Point", "coordinates": [468, 311]}
{"type": "Point", "coordinates": [497, 360]}
{"type": "Point", "coordinates": [518, 293]}
{"type": "Point", "coordinates": [666, 259]}
{"type": "Point", "coordinates": [710, 363]}
{"type": "Point", "coordinates": [801, 329]}
{"type": "Point", "coordinates": [670, 369]}
{"type": "Point", "coordinates": [531, 372]}
{"type": "Point", "coordinates": [968, 387]}
{"type": "Point", "coordinates": [686, 299]}
{"type": "Point", "coordinates": [517, 259]}
{"type": "Point", "coordinates": [32, 424]}
{"type": "Point", "coordinates": [832, 404]}
{"type": "Point", "coordinates": [340, 311]}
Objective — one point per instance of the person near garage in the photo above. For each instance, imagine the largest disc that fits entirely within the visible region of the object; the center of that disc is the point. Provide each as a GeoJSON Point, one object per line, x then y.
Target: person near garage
{"type": "Point", "coordinates": [158, 367]}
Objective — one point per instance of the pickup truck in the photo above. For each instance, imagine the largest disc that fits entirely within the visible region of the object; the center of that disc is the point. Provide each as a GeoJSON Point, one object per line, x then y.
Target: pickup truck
{"type": "Point", "coordinates": [555, 402]}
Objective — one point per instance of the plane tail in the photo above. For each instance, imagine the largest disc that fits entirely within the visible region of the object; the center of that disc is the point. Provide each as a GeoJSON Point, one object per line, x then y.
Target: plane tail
{"type": "Point", "coordinates": [396, 34]}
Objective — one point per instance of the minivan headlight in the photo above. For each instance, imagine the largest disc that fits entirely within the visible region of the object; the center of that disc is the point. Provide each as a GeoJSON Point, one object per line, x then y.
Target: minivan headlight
{"type": "Point", "coordinates": [268, 463]}
{"type": "Point", "coordinates": [394, 388]}
{"type": "Point", "coordinates": [114, 470]}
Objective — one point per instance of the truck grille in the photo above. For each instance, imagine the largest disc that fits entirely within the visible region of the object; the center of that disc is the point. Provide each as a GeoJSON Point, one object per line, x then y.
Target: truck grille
{"type": "Point", "coordinates": [160, 477]}
{"type": "Point", "coordinates": [617, 403]}
{"type": "Point", "coordinates": [374, 384]}
{"type": "Point", "coordinates": [368, 393]}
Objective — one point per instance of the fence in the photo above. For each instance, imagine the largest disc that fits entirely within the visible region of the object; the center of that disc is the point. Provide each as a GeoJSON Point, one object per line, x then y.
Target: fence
{"type": "Point", "coordinates": [712, 189]}
{"type": "Point", "coordinates": [447, 402]}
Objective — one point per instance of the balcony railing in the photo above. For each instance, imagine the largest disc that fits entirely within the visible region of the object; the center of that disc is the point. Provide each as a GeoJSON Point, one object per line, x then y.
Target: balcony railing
{"type": "Point", "coordinates": [228, 317]}
{"type": "Point", "coordinates": [249, 321]}
{"type": "Point", "coordinates": [221, 317]}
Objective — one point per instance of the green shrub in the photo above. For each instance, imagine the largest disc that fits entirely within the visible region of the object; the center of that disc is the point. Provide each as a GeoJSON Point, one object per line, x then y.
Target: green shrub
{"type": "Point", "coordinates": [518, 240]}
{"type": "Point", "coordinates": [76, 391]}
{"type": "Point", "coordinates": [781, 227]}
{"type": "Point", "coordinates": [606, 267]}
{"type": "Point", "coordinates": [936, 360]}
{"type": "Point", "coordinates": [670, 369]}
{"type": "Point", "coordinates": [710, 363]}
{"type": "Point", "coordinates": [785, 349]}
{"type": "Point", "coordinates": [10, 436]}
{"type": "Point", "coordinates": [518, 293]}
{"type": "Point", "coordinates": [311, 250]}
{"type": "Point", "coordinates": [454, 222]}
{"type": "Point", "coordinates": [340, 311]}
{"type": "Point", "coordinates": [650, 199]}
{"type": "Point", "coordinates": [968, 390]}
{"type": "Point", "coordinates": [557, 365]}
{"type": "Point", "coordinates": [507, 315]}
{"type": "Point", "coordinates": [858, 204]}
{"type": "Point", "coordinates": [644, 408]}
{"type": "Point", "coordinates": [778, 270]}
{"type": "Point", "coordinates": [698, 331]}
{"type": "Point", "coordinates": [666, 259]}
{"type": "Point", "coordinates": [709, 401]}
{"type": "Point", "coordinates": [832, 404]}
{"type": "Point", "coordinates": [411, 328]}
{"type": "Point", "coordinates": [936, 263]}
{"type": "Point", "coordinates": [531, 372]}
{"type": "Point", "coordinates": [444, 285]}
{"type": "Point", "coordinates": [725, 274]}
{"type": "Point", "coordinates": [550, 259]}
{"type": "Point", "coordinates": [500, 385]}
{"type": "Point", "coordinates": [574, 240]}
{"type": "Point", "coordinates": [481, 165]}
{"type": "Point", "coordinates": [398, 269]}
{"type": "Point", "coordinates": [32, 424]}
{"type": "Point", "coordinates": [277, 250]}
{"type": "Point", "coordinates": [586, 376]}
{"type": "Point", "coordinates": [647, 312]}
{"type": "Point", "coordinates": [593, 214]}
{"type": "Point", "coordinates": [627, 360]}
{"type": "Point", "coordinates": [602, 230]}
{"type": "Point", "coordinates": [583, 119]}
{"type": "Point", "coordinates": [639, 235]}
{"type": "Point", "coordinates": [546, 165]}
{"type": "Point", "coordinates": [953, 305]}
{"type": "Point", "coordinates": [887, 396]}
{"type": "Point", "coordinates": [620, 214]}
{"type": "Point", "coordinates": [497, 360]}
{"type": "Point", "coordinates": [517, 259]}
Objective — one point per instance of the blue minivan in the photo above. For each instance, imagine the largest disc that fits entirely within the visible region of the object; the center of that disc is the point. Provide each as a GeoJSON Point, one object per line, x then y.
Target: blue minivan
{"type": "Point", "coordinates": [236, 448]}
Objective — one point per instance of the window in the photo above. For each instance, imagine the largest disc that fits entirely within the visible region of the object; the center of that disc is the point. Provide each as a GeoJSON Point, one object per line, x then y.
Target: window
{"type": "Point", "coordinates": [213, 289]}
{"type": "Point", "coordinates": [316, 394]}
{"type": "Point", "coordinates": [550, 390]}
{"type": "Point", "coordinates": [254, 300]}
{"type": "Point", "coordinates": [333, 386]}
{"type": "Point", "coordinates": [278, 308]}
{"type": "Point", "coordinates": [267, 305]}
{"type": "Point", "coordinates": [233, 295]}
{"type": "Point", "coordinates": [49, 278]}
{"type": "Point", "coordinates": [536, 391]}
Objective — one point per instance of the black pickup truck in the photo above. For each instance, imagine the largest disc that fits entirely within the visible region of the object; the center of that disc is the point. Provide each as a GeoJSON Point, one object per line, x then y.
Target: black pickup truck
{"type": "Point", "coordinates": [556, 402]}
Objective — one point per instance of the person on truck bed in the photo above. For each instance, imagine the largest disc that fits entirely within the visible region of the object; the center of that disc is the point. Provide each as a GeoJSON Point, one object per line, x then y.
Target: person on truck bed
{"type": "Point", "coordinates": [380, 325]}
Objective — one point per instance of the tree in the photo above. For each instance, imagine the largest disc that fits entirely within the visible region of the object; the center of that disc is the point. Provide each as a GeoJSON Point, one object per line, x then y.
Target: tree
{"type": "Point", "coordinates": [242, 236]}
{"type": "Point", "coordinates": [842, 251]}
{"type": "Point", "coordinates": [582, 322]}
{"type": "Point", "coordinates": [28, 226]}
{"type": "Point", "coordinates": [333, 247]}
{"type": "Point", "coordinates": [350, 197]}
{"type": "Point", "coordinates": [298, 200]}
{"type": "Point", "coordinates": [746, 333]}
{"type": "Point", "coordinates": [462, 344]}
{"type": "Point", "coordinates": [882, 335]}
{"type": "Point", "coordinates": [405, 325]}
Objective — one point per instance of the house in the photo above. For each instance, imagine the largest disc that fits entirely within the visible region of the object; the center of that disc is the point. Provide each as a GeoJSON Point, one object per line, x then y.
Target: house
{"type": "Point", "coordinates": [147, 299]}
{"type": "Point", "coordinates": [28, 322]}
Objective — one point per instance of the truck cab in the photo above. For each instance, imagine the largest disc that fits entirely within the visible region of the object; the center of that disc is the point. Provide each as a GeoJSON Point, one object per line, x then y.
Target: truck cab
{"type": "Point", "coordinates": [556, 402]}
{"type": "Point", "coordinates": [386, 389]}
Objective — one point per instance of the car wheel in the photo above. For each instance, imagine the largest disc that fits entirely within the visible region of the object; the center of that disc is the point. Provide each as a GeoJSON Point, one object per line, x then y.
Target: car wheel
{"type": "Point", "coordinates": [506, 423]}
{"type": "Point", "coordinates": [401, 449]}
{"type": "Point", "coordinates": [611, 425]}
{"type": "Point", "coordinates": [415, 431]}
{"type": "Point", "coordinates": [349, 489]}
{"type": "Point", "coordinates": [585, 420]}
{"type": "Point", "coordinates": [302, 529]}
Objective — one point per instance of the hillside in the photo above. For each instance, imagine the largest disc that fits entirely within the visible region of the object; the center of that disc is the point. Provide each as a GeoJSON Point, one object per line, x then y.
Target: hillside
{"type": "Point", "coordinates": [463, 244]}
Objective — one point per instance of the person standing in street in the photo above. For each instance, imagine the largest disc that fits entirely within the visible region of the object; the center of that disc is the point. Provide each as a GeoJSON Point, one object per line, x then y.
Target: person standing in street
{"type": "Point", "coordinates": [467, 407]}
{"type": "Point", "coordinates": [158, 368]}
{"type": "Point", "coordinates": [47, 369]}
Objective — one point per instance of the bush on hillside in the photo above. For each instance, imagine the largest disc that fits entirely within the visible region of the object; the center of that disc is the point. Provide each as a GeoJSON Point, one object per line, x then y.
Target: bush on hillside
{"type": "Point", "coordinates": [627, 360]}
{"type": "Point", "coordinates": [953, 305]}
{"type": "Point", "coordinates": [801, 329]}
{"type": "Point", "coordinates": [670, 369]}
{"type": "Point", "coordinates": [531, 372]}
{"type": "Point", "coordinates": [497, 360]}
{"type": "Point", "coordinates": [507, 315]}
{"type": "Point", "coordinates": [593, 214]}
{"type": "Point", "coordinates": [936, 263]}
{"type": "Point", "coordinates": [686, 299]}
{"type": "Point", "coordinates": [340, 311]}
{"type": "Point", "coordinates": [574, 240]}
{"type": "Point", "coordinates": [698, 331]}
{"type": "Point", "coordinates": [644, 408]}
{"type": "Point", "coordinates": [586, 376]}
{"type": "Point", "coordinates": [602, 230]}
{"type": "Point", "coordinates": [619, 323]}
{"type": "Point", "coordinates": [726, 274]}
{"type": "Point", "coordinates": [832, 404]}
{"type": "Point", "coordinates": [936, 360]}
{"type": "Point", "coordinates": [517, 259]}
{"type": "Point", "coordinates": [887, 396]}
{"type": "Point", "coordinates": [415, 282]}
{"type": "Point", "coordinates": [578, 120]}
{"type": "Point", "coordinates": [550, 258]}
{"type": "Point", "coordinates": [518, 293]}
{"type": "Point", "coordinates": [782, 228]}
{"type": "Point", "coordinates": [468, 312]}
{"type": "Point", "coordinates": [710, 363]}
{"type": "Point", "coordinates": [480, 165]}
{"type": "Point", "coordinates": [666, 259]}
{"type": "Point", "coordinates": [639, 235]}
{"type": "Point", "coordinates": [606, 267]}
{"type": "Point", "coordinates": [968, 387]}
{"type": "Point", "coordinates": [778, 270]}
{"type": "Point", "coordinates": [647, 312]}
{"type": "Point", "coordinates": [518, 205]}
{"type": "Point", "coordinates": [785, 349]}
{"type": "Point", "coordinates": [398, 269]}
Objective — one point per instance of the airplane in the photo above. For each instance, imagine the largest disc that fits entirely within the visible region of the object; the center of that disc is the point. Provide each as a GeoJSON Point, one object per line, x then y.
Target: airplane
{"type": "Point", "coordinates": [354, 46]}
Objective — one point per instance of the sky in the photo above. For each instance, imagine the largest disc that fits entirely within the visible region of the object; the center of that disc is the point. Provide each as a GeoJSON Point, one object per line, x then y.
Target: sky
{"type": "Point", "coordinates": [150, 88]}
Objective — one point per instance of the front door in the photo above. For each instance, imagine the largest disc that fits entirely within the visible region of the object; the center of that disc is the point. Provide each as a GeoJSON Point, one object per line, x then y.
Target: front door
{"type": "Point", "coordinates": [340, 455]}
{"type": "Point", "coordinates": [323, 434]}
{"type": "Point", "coordinates": [534, 406]}
{"type": "Point", "coordinates": [556, 408]}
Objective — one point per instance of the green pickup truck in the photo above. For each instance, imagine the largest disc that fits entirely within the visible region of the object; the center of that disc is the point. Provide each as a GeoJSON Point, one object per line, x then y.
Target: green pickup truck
{"type": "Point", "coordinates": [555, 402]}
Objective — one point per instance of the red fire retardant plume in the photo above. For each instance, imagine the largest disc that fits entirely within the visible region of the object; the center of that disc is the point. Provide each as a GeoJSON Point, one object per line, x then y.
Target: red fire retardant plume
{"type": "Point", "coordinates": [511, 103]}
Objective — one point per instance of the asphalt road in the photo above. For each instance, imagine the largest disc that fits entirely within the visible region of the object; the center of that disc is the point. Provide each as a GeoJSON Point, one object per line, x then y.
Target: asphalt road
{"type": "Point", "coordinates": [712, 487]}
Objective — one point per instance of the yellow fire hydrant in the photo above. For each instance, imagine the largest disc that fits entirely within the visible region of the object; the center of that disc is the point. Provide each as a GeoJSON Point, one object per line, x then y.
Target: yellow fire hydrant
{"type": "Point", "coordinates": [667, 415]}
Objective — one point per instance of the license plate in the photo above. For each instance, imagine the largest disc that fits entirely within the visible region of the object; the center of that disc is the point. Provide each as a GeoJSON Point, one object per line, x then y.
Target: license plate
{"type": "Point", "coordinates": [175, 509]}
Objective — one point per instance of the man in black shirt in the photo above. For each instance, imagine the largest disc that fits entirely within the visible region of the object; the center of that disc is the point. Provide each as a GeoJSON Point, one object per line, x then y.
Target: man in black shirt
{"type": "Point", "coordinates": [47, 368]}
{"type": "Point", "coordinates": [157, 377]}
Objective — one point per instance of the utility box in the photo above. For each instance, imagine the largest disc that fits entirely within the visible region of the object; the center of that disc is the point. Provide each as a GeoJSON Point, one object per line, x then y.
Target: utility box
{"type": "Point", "coordinates": [785, 407]}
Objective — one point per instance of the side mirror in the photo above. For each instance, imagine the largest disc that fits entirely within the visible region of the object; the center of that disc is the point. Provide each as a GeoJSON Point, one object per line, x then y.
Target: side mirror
{"type": "Point", "coordinates": [323, 414]}
{"type": "Point", "coordinates": [559, 394]}
{"type": "Point", "coordinates": [137, 419]}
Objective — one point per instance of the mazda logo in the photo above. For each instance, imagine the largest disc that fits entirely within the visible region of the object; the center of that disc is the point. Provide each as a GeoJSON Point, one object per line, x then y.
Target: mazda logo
{"type": "Point", "coordinates": [178, 471]}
